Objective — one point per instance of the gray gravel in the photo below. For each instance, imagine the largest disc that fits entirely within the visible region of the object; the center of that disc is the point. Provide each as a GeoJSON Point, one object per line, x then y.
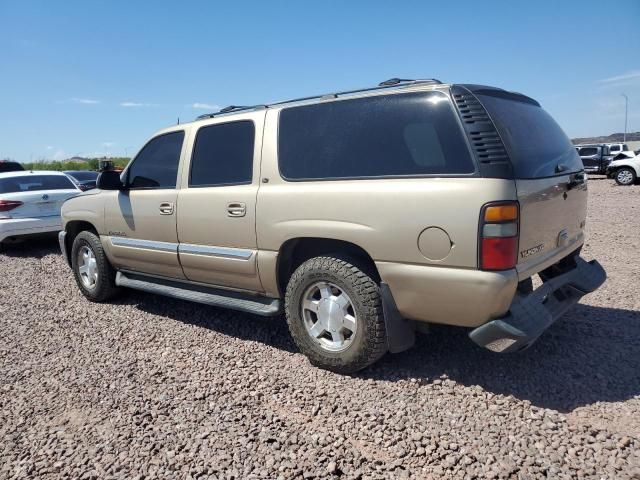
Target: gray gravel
{"type": "Point", "coordinates": [148, 387]}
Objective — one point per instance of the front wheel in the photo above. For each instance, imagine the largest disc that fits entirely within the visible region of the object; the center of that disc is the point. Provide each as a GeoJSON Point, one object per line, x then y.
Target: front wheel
{"type": "Point", "coordinates": [334, 313]}
{"type": "Point", "coordinates": [93, 273]}
{"type": "Point", "coordinates": [625, 176]}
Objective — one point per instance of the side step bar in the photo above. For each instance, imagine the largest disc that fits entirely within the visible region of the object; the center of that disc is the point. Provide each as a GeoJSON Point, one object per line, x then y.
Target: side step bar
{"type": "Point", "coordinates": [197, 293]}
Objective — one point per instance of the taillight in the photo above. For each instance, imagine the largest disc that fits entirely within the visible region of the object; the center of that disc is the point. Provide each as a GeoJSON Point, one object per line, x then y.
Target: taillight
{"type": "Point", "coordinates": [6, 205]}
{"type": "Point", "coordinates": [498, 235]}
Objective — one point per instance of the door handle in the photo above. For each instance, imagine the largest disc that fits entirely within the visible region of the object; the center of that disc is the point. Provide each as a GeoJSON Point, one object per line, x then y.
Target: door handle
{"type": "Point", "coordinates": [236, 209]}
{"type": "Point", "coordinates": [166, 208]}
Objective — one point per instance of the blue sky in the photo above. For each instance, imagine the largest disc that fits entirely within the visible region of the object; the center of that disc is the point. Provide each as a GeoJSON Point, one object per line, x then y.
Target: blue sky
{"type": "Point", "coordinates": [94, 78]}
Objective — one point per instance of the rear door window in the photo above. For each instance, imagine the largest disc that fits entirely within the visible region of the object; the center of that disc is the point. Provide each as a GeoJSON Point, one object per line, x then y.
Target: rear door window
{"type": "Point", "coordinates": [536, 144]}
{"type": "Point", "coordinates": [399, 135]}
{"type": "Point", "coordinates": [223, 155]}
{"type": "Point", "coordinates": [156, 166]}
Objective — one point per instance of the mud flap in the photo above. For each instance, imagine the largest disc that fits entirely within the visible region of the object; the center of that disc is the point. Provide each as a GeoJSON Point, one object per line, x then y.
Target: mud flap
{"type": "Point", "coordinates": [401, 334]}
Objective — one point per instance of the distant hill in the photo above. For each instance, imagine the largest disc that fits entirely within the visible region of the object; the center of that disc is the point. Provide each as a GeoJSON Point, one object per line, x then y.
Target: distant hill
{"type": "Point", "coordinates": [613, 138]}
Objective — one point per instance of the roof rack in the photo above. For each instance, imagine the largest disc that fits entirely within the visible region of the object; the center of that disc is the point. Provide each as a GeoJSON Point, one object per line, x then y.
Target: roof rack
{"type": "Point", "coordinates": [397, 81]}
{"type": "Point", "coordinates": [392, 82]}
{"type": "Point", "coordinates": [229, 109]}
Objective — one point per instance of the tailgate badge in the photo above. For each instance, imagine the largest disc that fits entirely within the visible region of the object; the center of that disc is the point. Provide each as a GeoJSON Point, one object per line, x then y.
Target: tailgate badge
{"type": "Point", "coordinates": [532, 251]}
{"type": "Point", "coordinates": [563, 238]}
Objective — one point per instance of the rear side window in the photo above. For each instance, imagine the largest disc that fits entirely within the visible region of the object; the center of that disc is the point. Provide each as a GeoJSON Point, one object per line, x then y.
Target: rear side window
{"type": "Point", "coordinates": [383, 136]}
{"type": "Point", "coordinates": [614, 148]}
{"type": "Point", "coordinates": [223, 155]}
{"type": "Point", "coordinates": [536, 144]}
{"type": "Point", "coordinates": [34, 183]}
{"type": "Point", "coordinates": [156, 166]}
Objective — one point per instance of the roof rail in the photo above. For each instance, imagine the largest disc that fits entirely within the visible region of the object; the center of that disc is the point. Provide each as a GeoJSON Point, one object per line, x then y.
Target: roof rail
{"type": "Point", "coordinates": [386, 84]}
{"type": "Point", "coordinates": [396, 81]}
{"type": "Point", "coordinates": [229, 109]}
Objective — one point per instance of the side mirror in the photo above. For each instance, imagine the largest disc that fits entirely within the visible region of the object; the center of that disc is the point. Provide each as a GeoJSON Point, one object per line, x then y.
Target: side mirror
{"type": "Point", "coordinates": [109, 180]}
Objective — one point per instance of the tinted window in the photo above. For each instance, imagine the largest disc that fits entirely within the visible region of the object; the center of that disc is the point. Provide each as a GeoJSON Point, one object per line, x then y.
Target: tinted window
{"type": "Point", "coordinates": [10, 167]}
{"type": "Point", "coordinates": [223, 155]}
{"type": "Point", "coordinates": [391, 135]}
{"type": "Point", "coordinates": [587, 151]}
{"type": "Point", "coordinates": [535, 142]}
{"type": "Point", "coordinates": [156, 166]}
{"type": "Point", "coordinates": [83, 175]}
{"type": "Point", "coordinates": [34, 183]}
{"type": "Point", "coordinates": [614, 148]}
{"type": "Point", "coordinates": [625, 148]}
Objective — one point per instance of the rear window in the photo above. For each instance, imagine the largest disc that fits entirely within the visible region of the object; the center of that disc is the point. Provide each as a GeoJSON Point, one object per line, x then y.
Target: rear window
{"type": "Point", "coordinates": [383, 136]}
{"type": "Point", "coordinates": [84, 176]}
{"type": "Point", "coordinates": [34, 183]}
{"type": "Point", "coordinates": [588, 151]}
{"type": "Point", "coordinates": [535, 142]}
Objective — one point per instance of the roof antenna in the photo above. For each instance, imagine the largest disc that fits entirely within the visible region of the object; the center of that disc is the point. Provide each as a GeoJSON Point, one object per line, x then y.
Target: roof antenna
{"type": "Point", "coordinates": [178, 120]}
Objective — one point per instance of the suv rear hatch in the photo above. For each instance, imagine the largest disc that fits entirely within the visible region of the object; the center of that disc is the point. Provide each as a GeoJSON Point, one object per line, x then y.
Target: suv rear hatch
{"type": "Point", "coordinates": [550, 182]}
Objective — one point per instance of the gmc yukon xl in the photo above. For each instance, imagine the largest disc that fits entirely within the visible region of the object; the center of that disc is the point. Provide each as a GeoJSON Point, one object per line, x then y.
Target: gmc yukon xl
{"type": "Point", "coordinates": [359, 214]}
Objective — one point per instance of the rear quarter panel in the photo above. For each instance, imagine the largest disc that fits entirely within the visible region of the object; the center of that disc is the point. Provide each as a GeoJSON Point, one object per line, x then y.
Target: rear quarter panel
{"type": "Point", "coordinates": [383, 216]}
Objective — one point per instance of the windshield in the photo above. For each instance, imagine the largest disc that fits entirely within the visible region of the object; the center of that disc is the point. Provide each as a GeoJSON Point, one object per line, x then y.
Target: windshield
{"type": "Point", "coordinates": [536, 144]}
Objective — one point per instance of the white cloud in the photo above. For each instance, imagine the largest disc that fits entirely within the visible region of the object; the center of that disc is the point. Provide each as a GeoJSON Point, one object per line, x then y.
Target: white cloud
{"type": "Point", "coordinates": [137, 104]}
{"type": "Point", "coordinates": [49, 147]}
{"type": "Point", "coordinates": [624, 78]}
{"type": "Point", "coordinates": [205, 106]}
{"type": "Point", "coordinates": [84, 101]}
{"type": "Point", "coordinates": [108, 144]}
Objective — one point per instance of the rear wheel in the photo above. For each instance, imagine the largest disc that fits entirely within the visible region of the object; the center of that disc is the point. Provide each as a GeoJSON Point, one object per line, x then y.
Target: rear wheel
{"type": "Point", "coordinates": [334, 312]}
{"type": "Point", "coordinates": [625, 176]}
{"type": "Point", "coordinates": [93, 273]}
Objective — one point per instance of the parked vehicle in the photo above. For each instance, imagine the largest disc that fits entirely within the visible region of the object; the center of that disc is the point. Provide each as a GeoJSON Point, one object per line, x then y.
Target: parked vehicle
{"type": "Point", "coordinates": [9, 166]}
{"type": "Point", "coordinates": [596, 157]}
{"type": "Point", "coordinates": [360, 214]}
{"type": "Point", "coordinates": [625, 170]}
{"type": "Point", "coordinates": [30, 203]}
{"type": "Point", "coordinates": [84, 179]}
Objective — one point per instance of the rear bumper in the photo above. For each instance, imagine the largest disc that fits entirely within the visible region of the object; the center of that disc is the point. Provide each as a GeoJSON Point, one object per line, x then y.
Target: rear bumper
{"type": "Point", "coordinates": [531, 314]}
{"type": "Point", "coordinates": [17, 227]}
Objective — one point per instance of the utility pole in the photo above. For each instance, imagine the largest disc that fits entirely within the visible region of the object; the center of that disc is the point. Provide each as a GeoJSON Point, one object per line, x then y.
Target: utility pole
{"type": "Point", "coordinates": [626, 110]}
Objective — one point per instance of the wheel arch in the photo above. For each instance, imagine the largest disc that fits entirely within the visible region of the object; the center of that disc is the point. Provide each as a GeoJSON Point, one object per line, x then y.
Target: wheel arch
{"type": "Point", "coordinates": [73, 228]}
{"type": "Point", "coordinates": [296, 251]}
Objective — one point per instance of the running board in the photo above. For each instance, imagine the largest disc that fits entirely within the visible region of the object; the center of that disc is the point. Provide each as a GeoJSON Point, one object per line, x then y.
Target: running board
{"type": "Point", "coordinates": [263, 306]}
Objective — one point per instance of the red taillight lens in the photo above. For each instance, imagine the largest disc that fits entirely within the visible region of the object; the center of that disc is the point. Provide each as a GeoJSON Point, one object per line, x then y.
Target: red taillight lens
{"type": "Point", "coordinates": [498, 236]}
{"type": "Point", "coordinates": [499, 253]}
{"type": "Point", "coordinates": [6, 205]}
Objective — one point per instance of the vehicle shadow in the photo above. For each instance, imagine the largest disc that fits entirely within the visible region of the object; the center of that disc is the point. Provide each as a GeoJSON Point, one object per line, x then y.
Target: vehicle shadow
{"type": "Point", "coordinates": [590, 355]}
{"type": "Point", "coordinates": [272, 331]}
{"type": "Point", "coordinates": [34, 247]}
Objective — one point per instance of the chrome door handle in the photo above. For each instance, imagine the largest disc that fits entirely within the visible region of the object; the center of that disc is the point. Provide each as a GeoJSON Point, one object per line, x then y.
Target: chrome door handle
{"type": "Point", "coordinates": [236, 209]}
{"type": "Point", "coordinates": [166, 208]}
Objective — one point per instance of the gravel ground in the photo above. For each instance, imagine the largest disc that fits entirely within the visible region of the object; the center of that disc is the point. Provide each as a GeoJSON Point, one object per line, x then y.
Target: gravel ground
{"type": "Point", "coordinates": [149, 387]}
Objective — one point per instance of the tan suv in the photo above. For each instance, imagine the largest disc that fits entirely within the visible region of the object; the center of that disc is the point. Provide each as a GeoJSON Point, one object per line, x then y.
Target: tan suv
{"type": "Point", "coordinates": [360, 214]}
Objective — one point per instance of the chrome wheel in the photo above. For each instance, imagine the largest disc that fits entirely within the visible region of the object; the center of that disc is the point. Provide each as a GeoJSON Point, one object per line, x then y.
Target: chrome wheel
{"type": "Point", "coordinates": [87, 267]}
{"type": "Point", "coordinates": [329, 316]}
{"type": "Point", "coordinates": [624, 177]}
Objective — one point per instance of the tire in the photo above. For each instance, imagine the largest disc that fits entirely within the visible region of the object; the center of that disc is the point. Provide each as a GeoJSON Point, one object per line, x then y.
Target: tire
{"type": "Point", "coordinates": [625, 176]}
{"type": "Point", "coordinates": [97, 282]}
{"type": "Point", "coordinates": [321, 282]}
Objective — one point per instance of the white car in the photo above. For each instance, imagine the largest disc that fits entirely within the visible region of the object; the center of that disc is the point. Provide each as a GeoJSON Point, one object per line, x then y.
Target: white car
{"type": "Point", "coordinates": [625, 169]}
{"type": "Point", "coordinates": [30, 202]}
